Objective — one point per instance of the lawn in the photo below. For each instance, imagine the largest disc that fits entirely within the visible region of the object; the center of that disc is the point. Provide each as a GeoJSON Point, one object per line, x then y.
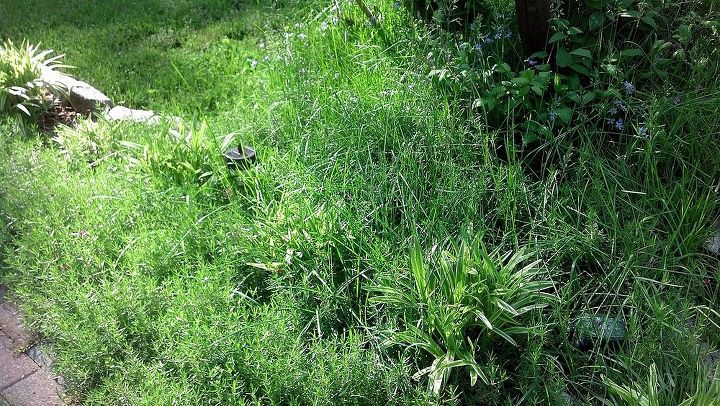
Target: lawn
{"type": "Point", "coordinates": [431, 219]}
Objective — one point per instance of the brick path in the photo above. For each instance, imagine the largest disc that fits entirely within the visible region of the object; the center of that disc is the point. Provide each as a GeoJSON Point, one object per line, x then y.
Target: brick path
{"type": "Point", "coordinates": [25, 379]}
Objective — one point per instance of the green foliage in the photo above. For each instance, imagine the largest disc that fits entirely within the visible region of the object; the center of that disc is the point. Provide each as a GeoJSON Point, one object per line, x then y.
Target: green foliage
{"type": "Point", "coordinates": [21, 87]}
{"type": "Point", "coordinates": [465, 307]}
{"type": "Point", "coordinates": [599, 53]}
{"type": "Point", "coordinates": [448, 13]}
{"type": "Point", "coordinates": [86, 142]}
{"type": "Point", "coordinates": [159, 277]}
{"type": "Point", "coordinates": [707, 391]}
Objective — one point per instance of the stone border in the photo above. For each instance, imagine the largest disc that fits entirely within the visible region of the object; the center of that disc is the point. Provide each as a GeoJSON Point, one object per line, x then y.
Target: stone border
{"type": "Point", "coordinates": [86, 99]}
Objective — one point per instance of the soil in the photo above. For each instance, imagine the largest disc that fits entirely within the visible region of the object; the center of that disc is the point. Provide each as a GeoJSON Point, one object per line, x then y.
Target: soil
{"type": "Point", "coordinates": [60, 112]}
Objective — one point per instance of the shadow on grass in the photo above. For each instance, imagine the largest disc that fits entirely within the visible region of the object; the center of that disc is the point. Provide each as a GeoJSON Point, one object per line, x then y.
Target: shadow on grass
{"type": "Point", "coordinates": [164, 55]}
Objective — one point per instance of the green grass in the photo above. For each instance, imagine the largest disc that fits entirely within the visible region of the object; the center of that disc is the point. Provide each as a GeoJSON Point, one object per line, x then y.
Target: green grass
{"type": "Point", "coordinates": [158, 277]}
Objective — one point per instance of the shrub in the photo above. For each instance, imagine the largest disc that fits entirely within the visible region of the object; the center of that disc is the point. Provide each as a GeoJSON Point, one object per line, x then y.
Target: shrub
{"type": "Point", "coordinates": [21, 85]}
{"type": "Point", "coordinates": [464, 309]}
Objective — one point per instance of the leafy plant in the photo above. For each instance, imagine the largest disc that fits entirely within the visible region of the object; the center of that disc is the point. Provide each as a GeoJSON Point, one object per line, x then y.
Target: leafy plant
{"type": "Point", "coordinates": [465, 307]}
{"type": "Point", "coordinates": [86, 142]}
{"type": "Point", "coordinates": [181, 157]}
{"type": "Point", "coordinates": [21, 86]}
{"type": "Point", "coordinates": [707, 391]}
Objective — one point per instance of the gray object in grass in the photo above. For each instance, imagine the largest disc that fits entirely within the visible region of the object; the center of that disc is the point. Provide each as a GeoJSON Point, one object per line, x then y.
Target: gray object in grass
{"type": "Point", "coordinates": [589, 330]}
{"type": "Point", "coordinates": [83, 97]}
{"type": "Point", "coordinates": [713, 243]}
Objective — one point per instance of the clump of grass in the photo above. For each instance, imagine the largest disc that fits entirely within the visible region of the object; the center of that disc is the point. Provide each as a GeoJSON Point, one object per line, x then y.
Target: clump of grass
{"type": "Point", "coordinates": [21, 84]}
{"type": "Point", "coordinates": [468, 303]}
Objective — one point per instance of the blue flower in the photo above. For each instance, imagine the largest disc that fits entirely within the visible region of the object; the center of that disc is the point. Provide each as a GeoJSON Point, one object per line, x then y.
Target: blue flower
{"type": "Point", "coordinates": [612, 111]}
{"type": "Point", "coordinates": [620, 104]}
{"type": "Point", "coordinates": [677, 100]}
{"type": "Point", "coordinates": [643, 131]}
{"type": "Point", "coordinates": [619, 124]}
{"type": "Point", "coordinates": [531, 62]}
{"type": "Point", "coordinates": [629, 87]}
{"type": "Point", "coordinates": [610, 121]}
{"type": "Point", "coordinates": [552, 115]}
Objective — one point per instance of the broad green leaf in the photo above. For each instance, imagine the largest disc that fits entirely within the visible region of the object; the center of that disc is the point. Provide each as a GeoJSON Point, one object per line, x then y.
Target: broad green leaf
{"type": "Point", "coordinates": [564, 59]}
{"type": "Point", "coordinates": [632, 52]}
{"type": "Point", "coordinates": [520, 81]}
{"type": "Point", "coordinates": [684, 34]}
{"type": "Point", "coordinates": [580, 69]}
{"type": "Point", "coordinates": [558, 36]}
{"type": "Point", "coordinates": [574, 96]}
{"type": "Point", "coordinates": [574, 81]}
{"type": "Point", "coordinates": [588, 97]}
{"type": "Point", "coordinates": [565, 114]}
{"type": "Point", "coordinates": [597, 19]}
{"type": "Point", "coordinates": [585, 53]}
{"type": "Point", "coordinates": [529, 137]}
{"type": "Point", "coordinates": [503, 68]}
{"type": "Point", "coordinates": [650, 21]}
{"type": "Point", "coordinates": [528, 74]}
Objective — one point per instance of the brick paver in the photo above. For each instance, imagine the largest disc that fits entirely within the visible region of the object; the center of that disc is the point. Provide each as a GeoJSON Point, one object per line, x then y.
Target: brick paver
{"type": "Point", "coordinates": [11, 324]}
{"type": "Point", "coordinates": [37, 389]}
{"type": "Point", "coordinates": [14, 366]}
{"type": "Point", "coordinates": [22, 381]}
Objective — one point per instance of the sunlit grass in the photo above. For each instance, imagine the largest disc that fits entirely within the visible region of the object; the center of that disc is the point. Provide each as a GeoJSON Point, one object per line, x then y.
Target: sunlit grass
{"type": "Point", "coordinates": [159, 277]}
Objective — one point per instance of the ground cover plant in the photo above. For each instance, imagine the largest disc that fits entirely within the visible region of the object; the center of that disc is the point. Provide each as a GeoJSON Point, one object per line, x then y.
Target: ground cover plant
{"type": "Point", "coordinates": [431, 214]}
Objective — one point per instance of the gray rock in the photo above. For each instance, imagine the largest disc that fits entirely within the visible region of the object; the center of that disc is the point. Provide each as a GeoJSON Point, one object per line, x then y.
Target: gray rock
{"type": "Point", "coordinates": [41, 358]}
{"type": "Point", "coordinates": [83, 97]}
{"type": "Point", "coordinates": [58, 81]}
{"type": "Point", "coordinates": [713, 244]}
{"type": "Point", "coordinates": [712, 361]}
{"type": "Point", "coordinates": [121, 113]}
{"type": "Point", "coordinates": [86, 99]}
{"type": "Point", "coordinates": [570, 400]}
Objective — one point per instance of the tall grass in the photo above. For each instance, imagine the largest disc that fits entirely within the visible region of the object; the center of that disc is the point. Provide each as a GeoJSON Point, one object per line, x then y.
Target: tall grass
{"type": "Point", "coordinates": [159, 277]}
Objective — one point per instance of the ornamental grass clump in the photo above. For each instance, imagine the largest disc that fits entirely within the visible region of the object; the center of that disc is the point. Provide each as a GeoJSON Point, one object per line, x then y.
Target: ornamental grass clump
{"type": "Point", "coordinates": [21, 85]}
{"type": "Point", "coordinates": [466, 309]}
